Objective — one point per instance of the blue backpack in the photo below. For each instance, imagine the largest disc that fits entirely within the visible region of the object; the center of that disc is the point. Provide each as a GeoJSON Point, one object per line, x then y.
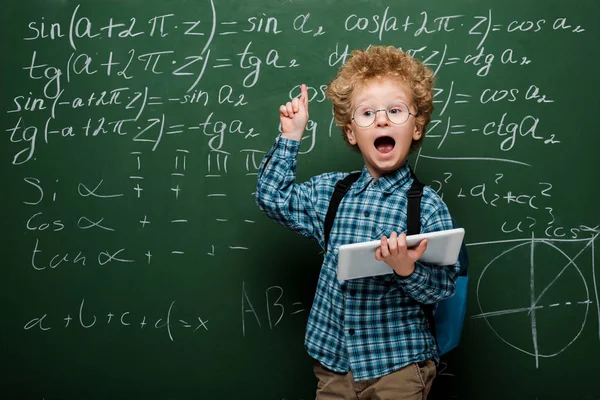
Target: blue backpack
{"type": "Point", "coordinates": [446, 322]}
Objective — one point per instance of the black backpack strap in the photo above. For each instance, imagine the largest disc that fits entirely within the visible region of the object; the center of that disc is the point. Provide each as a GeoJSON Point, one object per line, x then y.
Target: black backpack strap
{"type": "Point", "coordinates": [341, 188]}
{"type": "Point", "coordinates": [413, 227]}
{"type": "Point", "coordinates": [413, 211]}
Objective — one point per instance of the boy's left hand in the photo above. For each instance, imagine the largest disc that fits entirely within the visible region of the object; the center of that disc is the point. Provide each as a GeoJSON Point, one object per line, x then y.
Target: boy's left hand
{"type": "Point", "coordinates": [393, 252]}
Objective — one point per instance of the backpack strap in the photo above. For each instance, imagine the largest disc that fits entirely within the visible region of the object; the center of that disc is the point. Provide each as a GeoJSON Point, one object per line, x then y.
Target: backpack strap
{"type": "Point", "coordinates": [341, 188]}
{"type": "Point", "coordinates": [413, 227]}
{"type": "Point", "coordinates": [413, 211]}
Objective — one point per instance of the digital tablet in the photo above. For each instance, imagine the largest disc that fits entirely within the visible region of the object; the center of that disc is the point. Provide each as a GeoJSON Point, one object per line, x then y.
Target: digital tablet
{"type": "Point", "coordinates": [358, 260]}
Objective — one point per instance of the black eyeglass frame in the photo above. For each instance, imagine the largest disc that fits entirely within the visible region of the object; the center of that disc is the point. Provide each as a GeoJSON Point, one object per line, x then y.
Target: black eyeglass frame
{"type": "Point", "coordinates": [386, 115]}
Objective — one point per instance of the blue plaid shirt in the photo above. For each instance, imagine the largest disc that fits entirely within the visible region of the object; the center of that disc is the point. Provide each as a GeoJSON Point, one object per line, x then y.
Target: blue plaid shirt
{"type": "Point", "coordinates": [372, 326]}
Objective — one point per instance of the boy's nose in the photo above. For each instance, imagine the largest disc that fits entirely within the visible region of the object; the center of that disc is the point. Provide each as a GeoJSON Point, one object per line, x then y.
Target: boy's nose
{"type": "Point", "coordinates": [381, 118]}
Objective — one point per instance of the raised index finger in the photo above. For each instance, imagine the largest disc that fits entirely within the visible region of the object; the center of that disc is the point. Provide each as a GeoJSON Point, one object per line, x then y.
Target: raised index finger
{"type": "Point", "coordinates": [304, 95]}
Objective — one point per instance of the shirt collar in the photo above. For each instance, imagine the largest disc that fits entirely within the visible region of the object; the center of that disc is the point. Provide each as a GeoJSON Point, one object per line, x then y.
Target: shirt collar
{"type": "Point", "coordinates": [387, 183]}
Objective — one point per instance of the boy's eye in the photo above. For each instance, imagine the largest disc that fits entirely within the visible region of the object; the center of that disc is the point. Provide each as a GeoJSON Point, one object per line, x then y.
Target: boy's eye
{"type": "Point", "coordinates": [395, 110]}
{"type": "Point", "coordinates": [367, 113]}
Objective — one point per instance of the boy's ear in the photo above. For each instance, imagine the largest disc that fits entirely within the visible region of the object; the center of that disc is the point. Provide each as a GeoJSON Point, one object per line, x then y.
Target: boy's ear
{"type": "Point", "coordinates": [350, 134]}
{"type": "Point", "coordinates": [418, 132]}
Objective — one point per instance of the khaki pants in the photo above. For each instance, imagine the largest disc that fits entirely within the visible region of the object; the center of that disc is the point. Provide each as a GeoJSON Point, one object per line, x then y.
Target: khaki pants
{"type": "Point", "coordinates": [412, 382]}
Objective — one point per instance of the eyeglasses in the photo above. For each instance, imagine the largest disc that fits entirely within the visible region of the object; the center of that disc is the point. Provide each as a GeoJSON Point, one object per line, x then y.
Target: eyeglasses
{"type": "Point", "coordinates": [397, 113]}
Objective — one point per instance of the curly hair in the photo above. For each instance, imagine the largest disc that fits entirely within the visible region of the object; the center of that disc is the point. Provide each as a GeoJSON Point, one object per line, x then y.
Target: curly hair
{"type": "Point", "coordinates": [378, 62]}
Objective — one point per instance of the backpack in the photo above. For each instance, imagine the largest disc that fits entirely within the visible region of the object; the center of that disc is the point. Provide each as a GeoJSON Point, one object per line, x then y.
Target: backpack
{"type": "Point", "coordinates": [446, 323]}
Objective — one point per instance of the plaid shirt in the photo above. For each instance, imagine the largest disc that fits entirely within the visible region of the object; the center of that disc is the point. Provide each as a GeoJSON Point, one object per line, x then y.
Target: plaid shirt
{"type": "Point", "coordinates": [372, 326]}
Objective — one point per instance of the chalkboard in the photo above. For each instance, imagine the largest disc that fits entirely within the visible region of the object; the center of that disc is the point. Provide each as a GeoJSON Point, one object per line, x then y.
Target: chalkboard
{"type": "Point", "coordinates": [135, 263]}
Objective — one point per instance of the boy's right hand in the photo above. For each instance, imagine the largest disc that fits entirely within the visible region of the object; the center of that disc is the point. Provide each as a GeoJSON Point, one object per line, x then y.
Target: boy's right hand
{"type": "Point", "coordinates": [294, 116]}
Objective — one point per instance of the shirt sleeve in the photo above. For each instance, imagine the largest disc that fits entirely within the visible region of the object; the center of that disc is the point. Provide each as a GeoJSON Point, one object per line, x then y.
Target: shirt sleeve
{"type": "Point", "coordinates": [430, 284]}
{"type": "Point", "coordinates": [279, 197]}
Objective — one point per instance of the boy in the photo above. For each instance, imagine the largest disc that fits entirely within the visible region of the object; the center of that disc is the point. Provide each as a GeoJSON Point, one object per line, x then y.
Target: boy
{"type": "Point", "coordinates": [369, 337]}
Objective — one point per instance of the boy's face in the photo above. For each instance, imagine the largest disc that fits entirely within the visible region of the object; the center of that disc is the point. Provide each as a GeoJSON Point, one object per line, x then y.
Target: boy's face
{"type": "Point", "coordinates": [384, 145]}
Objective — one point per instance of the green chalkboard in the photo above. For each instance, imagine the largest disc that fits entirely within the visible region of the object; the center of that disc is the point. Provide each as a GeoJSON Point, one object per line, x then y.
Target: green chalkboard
{"type": "Point", "coordinates": [135, 264]}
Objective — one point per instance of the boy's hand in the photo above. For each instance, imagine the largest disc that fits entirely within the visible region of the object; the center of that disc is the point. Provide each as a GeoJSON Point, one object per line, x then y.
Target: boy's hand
{"type": "Point", "coordinates": [294, 116]}
{"type": "Point", "coordinates": [393, 252]}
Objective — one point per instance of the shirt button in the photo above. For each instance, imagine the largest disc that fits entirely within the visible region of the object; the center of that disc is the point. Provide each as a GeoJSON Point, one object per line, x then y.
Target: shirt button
{"type": "Point", "coordinates": [351, 331]}
{"type": "Point", "coordinates": [367, 214]}
{"type": "Point", "coordinates": [376, 183]}
{"type": "Point", "coordinates": [352, 292]}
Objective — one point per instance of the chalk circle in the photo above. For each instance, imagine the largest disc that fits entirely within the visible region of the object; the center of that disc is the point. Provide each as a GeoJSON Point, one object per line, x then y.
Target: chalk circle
{"type": "Point", "coordinates": [576, 301]}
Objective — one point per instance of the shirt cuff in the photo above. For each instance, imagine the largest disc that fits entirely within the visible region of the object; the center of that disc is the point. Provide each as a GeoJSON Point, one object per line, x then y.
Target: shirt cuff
{"type": "Point", "coordinates": [415, 280]}
{"type": "Point", "coordinates": [286, 148]}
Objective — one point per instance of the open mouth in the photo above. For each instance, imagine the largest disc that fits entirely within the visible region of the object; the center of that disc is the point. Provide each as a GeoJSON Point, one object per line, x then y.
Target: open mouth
{"type": "Point", "coordinates": [384, 144]}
